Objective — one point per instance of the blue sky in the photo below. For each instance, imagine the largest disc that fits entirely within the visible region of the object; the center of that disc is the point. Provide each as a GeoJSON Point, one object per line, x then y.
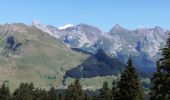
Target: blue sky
{"type": "Point", "coordinates": [101, 13]}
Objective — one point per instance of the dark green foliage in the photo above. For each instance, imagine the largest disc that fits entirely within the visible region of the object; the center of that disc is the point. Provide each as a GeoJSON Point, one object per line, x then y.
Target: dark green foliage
{"type": "Point", "coordinates": [105, 92]}
{"type": "Point", "coordinates": [86, 97]}
{"type": "Point", "coordinates": [74, 91]}
{"type": "Point", "coordinates": [4, 93]}
{"type": "Point", "coordinates": [129, 86]}
{"type": "Point", "coordinates": [94, 98]}
{"type": "Point", "coordinates": [24, 92]}
{"type": "Point", "coordinates": [40, 94]}
{"type": "Point", "coordinates": [113, 91]}
{"type": "Point", "coordinates": [61, 96]}
{"type": "Point", "coordinates": [28, 92]}
{"type": "Point", "coordinates": [161, 79]}
{"type": "Point", "coordinates": [52, 95]}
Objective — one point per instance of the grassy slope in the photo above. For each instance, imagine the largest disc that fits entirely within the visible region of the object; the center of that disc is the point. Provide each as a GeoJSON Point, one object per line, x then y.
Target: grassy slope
{"type": "Point", "coordinates": [43, 59]}
{"type": "Point", "coordinates": [94, 83]}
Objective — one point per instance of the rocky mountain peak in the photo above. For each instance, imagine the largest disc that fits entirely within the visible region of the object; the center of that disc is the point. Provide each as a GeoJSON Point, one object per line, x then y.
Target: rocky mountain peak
{"type": "Point", "coordinates": [117, 26]}
{"type": "Point", "coordinates": [158, 29]}
{"type": "Point", "coordinates": [117, 29]}
{"type": "Point", "coordinates": [41, 26]}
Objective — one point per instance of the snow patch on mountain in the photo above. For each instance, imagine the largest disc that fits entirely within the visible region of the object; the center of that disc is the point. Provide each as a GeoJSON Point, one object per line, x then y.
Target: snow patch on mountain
{"type": "Point", "coordinates": [65, 26]}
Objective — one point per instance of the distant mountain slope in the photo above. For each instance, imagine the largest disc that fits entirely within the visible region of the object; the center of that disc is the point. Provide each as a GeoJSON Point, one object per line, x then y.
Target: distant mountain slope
{"type": "Point", "coordinates": [142, 44]}
{"type": "Point", "coordinates": [29, 54]}
{"type": "Point", "coordinates": [99, 64]}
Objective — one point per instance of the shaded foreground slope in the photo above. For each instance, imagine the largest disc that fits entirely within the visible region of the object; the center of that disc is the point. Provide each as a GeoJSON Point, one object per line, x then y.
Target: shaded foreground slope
{"type": "Point", "coordinates": [99, 64]}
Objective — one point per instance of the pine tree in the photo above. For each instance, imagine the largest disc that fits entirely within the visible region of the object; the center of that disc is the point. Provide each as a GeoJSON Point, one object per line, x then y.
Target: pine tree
{"type": "Point", "coordinates": [113, 90]}
{"type": "Point", "coordinates": [24, 92]}
{"type": "Point", "coordinates": [61, 96]}
{"type": "Point", "coordinates": [79, 90]}
{"type": "Point", "coordinates": [129, 86]}
{"type": "Point", "coordinates": [40, 94]}
{"type": "Point", "coordinates": [161, 79]}
{"type": "Point", "coordinates": [86, 97]}
{"type": "Point", "coordinates": [52, 95]}
{"type": "Point", "coordinates": [69, 92]}
{"type": "Point", "coordinates": [74, 91]}
{"type": "Point", "coordinates": [94, 97]}
{"type": "Point", "coordinates": [105, 93]}
{"type": "Point", "coordinates": [4, 92]}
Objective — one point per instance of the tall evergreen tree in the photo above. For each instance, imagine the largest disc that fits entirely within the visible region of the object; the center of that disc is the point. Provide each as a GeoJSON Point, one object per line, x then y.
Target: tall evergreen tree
{"type": "Point", "coordinates": [161, 79]}
{"type": "Point", "coordinates": [74, 91]}
{"type": "Point", "coordinates": [24, 92]}
{"type": "Point", "coordinates": [113, 91]}
{"type": "Point", "coordinates": [86, 97]}
{"type": "Point", "coordinates": [4, 92]}
{"type": "Point", "coordinates": [105, 92]}
{"type": "Point", "coordinates": [61, 96]}
{"type": "Point", "coordinates": [40, 94]}
{"type": "Point", "coordinates": [129, 86]}
{"type": "Point", "coordinates": [52, 95]}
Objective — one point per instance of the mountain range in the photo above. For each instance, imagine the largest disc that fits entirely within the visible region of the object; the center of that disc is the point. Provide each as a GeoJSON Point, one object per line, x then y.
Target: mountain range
{"type": "Point", "coordinates": [142, 44]}
{"type": "Point", "coordinates": [52, 56]}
